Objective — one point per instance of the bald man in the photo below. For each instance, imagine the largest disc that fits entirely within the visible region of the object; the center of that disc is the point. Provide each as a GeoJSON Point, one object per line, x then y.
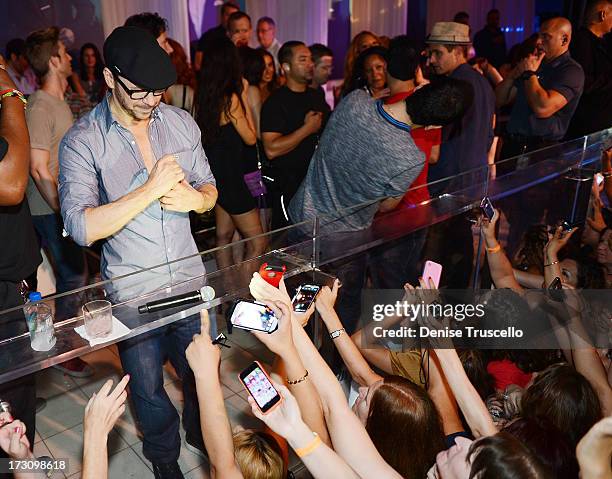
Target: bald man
{"type": "Point", "coordinates": [594, 112]}
{"type": "Point", "coordinates": [545, 88]}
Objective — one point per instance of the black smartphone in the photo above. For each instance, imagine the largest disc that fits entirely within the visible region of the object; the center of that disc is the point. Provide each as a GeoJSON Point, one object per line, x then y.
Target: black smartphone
{"type": "Point", "coordinates": [566, 226]}
{"type": "Point", "coordinates": [253, 316]}
{"type": "Point", "coordinates": [555, 290]}
{"type": "Point", "coordinates": [487, 208]}
{"type": "Point", "coordinates": [260, 387]}
{"type": "Point", "coordinates": [304, 297]}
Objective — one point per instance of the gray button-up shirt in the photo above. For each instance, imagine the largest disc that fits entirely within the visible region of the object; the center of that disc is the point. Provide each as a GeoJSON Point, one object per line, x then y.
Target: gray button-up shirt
{"type": "Point", "coordinates": [100, 162]}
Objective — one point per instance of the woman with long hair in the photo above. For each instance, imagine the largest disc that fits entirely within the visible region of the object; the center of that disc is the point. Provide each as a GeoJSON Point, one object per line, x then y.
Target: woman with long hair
{"type": "Point", "coordinates": [91, 68]}
{"type": "Point", "coordinates": [269, 78]}
{"type": "Point", "coordinates": [361, 42]}
{"type": "Point", "coordinates": [182, 92]}
{"type": "Point", "coordinates": [225, 119]}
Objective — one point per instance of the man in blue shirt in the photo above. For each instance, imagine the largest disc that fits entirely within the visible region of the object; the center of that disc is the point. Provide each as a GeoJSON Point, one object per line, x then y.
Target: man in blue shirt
{"type": "Point", "coordinates": [545, 88]}
{"type": "Point", "coordinates": [465, 146]}
{"type": "Point", "coordinates": [130, 173]}
{"type": "Point", "coordinates": [465, 143]}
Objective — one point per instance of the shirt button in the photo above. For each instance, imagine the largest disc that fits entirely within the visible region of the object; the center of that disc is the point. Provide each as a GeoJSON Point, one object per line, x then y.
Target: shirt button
{"type": "Point", "coordinates": [133, 142]}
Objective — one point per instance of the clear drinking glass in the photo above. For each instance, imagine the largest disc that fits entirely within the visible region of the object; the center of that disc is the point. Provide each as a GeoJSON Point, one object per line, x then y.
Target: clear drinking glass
{"type": "Point", "coordinates": [98, 318]}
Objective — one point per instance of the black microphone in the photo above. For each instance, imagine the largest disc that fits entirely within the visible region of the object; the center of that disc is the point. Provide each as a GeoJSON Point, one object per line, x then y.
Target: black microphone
{"type": "Point", "coordinates": [205, 293]}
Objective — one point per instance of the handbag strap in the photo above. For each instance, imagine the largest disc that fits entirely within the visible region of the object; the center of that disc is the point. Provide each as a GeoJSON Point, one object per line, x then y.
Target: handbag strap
{"type": "Point", "coordinates": [258, 159]}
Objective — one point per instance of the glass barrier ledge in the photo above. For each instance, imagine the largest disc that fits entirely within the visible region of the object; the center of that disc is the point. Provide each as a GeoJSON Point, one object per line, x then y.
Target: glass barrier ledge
{"type": "Point", "coordinates": [18, 358]}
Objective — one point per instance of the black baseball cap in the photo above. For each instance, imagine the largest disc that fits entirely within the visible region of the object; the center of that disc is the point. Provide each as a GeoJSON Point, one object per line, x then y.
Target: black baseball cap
{"type": "Point", "coordinates": [134, 53]}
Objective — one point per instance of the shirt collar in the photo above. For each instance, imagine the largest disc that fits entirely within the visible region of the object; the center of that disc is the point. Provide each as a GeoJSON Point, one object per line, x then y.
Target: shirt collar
{"type": "Point", "coordinates": [399, 124]}
{"type": "Point", "coordinates": [557, 61]}
{"type": "Point", "coordinates": [109, 119]}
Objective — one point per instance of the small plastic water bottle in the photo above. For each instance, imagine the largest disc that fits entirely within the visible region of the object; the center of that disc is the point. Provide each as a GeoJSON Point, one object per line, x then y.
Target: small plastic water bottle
{"type": "Point", "coordinates": [40, 323]}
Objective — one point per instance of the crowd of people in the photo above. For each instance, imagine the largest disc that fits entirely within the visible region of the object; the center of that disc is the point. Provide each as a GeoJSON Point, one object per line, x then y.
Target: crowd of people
{"type": "Point", "coordinates": [115, 150]}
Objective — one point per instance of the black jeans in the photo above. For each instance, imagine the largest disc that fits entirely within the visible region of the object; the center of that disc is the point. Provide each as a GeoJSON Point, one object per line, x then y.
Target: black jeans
{"type": "Point", "coordinates": [20, 393]}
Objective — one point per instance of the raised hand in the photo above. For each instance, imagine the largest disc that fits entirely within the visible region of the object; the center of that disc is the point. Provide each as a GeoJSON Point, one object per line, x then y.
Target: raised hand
{"type": "Point", "coordinates": [104, 408]}
{"type": "Point", "coordinates": [202, 355]}
{"type": "Point", "coordinates": [558, 240]}
{"type": "Point", "coordinates": [487, 227]}
{"type": "Point", "coordinates": [14, 442]}
{"type": "Point", "coordinates": [280, 340]}
{"type": "Point", "coordinates": [326, 299]}
{"type": "Point", "coordinates": [284, 418]}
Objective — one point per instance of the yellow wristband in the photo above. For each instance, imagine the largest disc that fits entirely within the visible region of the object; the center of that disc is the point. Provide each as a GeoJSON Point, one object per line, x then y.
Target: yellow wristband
{"type": "Point", "coordinates": [310, 447]}
{"type": "Point", "coordinates": [495, 249]}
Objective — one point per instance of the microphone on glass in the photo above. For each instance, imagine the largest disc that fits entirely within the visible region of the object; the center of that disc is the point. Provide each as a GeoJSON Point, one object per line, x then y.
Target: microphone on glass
{"type": "Point", "coordinates": [205, 293]}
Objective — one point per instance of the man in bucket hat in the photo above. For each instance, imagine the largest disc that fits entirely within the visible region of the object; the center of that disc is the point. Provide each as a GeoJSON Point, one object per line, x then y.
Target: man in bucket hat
{"type": "Point", "coordinates": [130, 173]}
{"type": "Point", "coordinates": [465, 146]}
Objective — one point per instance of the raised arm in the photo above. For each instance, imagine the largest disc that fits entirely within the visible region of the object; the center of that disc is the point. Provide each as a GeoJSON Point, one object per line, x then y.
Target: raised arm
{"type": "Point", "coordinates": [285, 420]}
{"type": "Point", "coordinates": [470, 403]}
{"type": "Point", "coordinates": [349, 437]}
{"type": "Point", "coordinates": [499, 264]}
{"type": "Point", "coordinates": [204, 358]}
{"type": "Point", "coordinates": [15, 166]}
{"type": "Point", "coordinates": [297, 376]}
{"type": "Point", "coordinates": [101, 414]}
{"type": "Point", "coordinates": [359, 368]}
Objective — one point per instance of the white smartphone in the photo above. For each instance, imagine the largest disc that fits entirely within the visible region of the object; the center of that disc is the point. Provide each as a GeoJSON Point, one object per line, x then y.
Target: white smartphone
{"type": "Point", "coordinates": [254, 316]}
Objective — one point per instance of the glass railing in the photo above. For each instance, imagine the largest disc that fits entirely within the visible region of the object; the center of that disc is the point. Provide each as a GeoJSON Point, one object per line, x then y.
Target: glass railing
{"type": "Point", "coordinates": [540, 187]}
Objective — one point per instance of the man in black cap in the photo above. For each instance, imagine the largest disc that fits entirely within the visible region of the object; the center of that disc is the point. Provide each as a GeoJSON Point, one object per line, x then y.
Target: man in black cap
{"type": "Point", "coordinates": [130, 173]}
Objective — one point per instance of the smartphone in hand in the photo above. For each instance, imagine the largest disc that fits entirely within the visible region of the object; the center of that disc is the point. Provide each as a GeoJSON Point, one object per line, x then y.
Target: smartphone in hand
{"type": "Point", "coordinates": [272, 273]}
{"type": "Point", "coordinates": [253, 316]}
{"type": "Point", "coordinates": [304, 297]}
{"type": "Point", "coordinates": [258, 384]}
{"type": "Point", "coordinates": [432, 270]}
{"type": "Point", "coordinates": [487, 208]}
{"type": "Point", "coordinates": [555, 290]}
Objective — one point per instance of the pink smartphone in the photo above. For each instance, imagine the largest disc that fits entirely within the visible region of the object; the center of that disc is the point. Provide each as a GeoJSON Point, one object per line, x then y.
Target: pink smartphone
{"type": "Point", "coordinates": [432, 270]}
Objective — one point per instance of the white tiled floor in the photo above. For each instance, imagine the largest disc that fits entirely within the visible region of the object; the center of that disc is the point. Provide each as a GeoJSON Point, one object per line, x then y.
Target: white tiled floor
{"type": "Point", "coordinates": [60, 424]}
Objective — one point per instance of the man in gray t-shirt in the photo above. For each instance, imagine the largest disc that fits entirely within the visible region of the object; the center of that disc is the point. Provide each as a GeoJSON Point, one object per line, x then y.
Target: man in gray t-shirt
{"type": "Point", "coordinates": [365, 162]}
{"type": "Point", "coordinates": [364, 155]}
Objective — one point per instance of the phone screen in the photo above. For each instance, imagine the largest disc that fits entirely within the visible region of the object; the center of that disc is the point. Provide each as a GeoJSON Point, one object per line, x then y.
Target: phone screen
{"type": "Point", "coordinates": [259, 386]}
{"type": "Point", "coordinates": [304, 297]}
{"type": "Point", "coordinates": [254, 316]}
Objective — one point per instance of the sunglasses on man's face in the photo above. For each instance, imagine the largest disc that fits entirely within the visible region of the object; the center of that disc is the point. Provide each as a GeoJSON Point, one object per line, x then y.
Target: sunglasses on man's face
{"type": "Point", "coordinates": [138, 94]}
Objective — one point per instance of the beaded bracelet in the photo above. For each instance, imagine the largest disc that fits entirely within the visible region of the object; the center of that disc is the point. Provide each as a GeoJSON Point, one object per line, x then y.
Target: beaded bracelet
{"type": "Point", "coordinates": [298, 381]}
{"type": "Point", "coordinates": [550, 264]}
{"type": "Point", "coordinates": [13, 92]}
